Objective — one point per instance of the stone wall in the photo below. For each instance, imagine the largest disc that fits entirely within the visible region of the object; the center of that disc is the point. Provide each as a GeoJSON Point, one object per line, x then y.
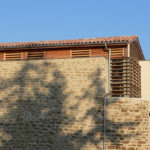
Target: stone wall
{"type": "Point", "coordinates": [49, 104]}
{"type": "Point", "coordinates": [57, 104]}
{"type": "Point", "coordinates": [127, 124]}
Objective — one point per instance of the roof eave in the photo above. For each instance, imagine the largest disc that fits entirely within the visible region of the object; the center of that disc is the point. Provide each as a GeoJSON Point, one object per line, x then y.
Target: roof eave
{"type": "Point", "coordinates": [65, 44]}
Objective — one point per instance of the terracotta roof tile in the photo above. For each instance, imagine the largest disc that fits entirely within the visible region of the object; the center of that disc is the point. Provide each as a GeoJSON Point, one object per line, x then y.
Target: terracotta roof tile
{"type": "Point", "coordinates": [69, 42]}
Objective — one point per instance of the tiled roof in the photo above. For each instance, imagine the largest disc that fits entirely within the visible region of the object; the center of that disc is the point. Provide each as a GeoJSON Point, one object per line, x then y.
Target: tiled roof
{"type": "Point", "coordinates": [69, 42]}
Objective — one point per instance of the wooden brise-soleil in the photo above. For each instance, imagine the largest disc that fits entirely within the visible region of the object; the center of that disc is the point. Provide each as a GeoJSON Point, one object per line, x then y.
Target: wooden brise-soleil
{"type": "Point", "coordinates": [125, 78]}
{"type": "Point", "coordinates": [35, 55]}
{"type": "Point", "coordinates": [18, 55]}
{"type": "Point", "coordinates": [80, 53]}
{"type": "Point", "coordinates": [125, 75]}
{"type": "Point", "coordinates": [117, 52]}
{"type": "Point", "coordinates": [12, 56]}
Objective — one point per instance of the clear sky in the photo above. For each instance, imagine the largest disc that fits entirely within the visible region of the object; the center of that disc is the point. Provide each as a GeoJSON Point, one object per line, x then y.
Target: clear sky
{"type": "Point", "coordinates": [38, 20]}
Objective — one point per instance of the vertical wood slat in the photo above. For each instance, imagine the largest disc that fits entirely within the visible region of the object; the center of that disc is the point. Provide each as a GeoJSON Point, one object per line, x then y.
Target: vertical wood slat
{"type": "Point", "coordinates": [44, 55]}
{"type": "Point", "coordinates": [4, 56]}
{"type": "Point", "coordinates": [90, 53]}
{"type": "Point", "coordinates": [24, 55]}
{"type": "Point", "coordinates": [1, 56]}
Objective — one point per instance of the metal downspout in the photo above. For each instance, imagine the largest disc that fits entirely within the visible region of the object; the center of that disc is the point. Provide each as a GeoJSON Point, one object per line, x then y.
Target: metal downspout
{"type": "Point", "coordinates": [109, 90]}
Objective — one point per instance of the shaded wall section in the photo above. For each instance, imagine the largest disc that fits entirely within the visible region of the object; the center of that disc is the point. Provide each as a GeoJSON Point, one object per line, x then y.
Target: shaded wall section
{"type": "Point", "coordinates": [57, 104]}
{"type": "Point", "coordinates": [51, 104]}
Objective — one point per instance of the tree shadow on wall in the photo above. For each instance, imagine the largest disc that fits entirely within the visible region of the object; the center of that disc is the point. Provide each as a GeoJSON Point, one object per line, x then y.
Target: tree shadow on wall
{"type": "Point", "coordinates": [34, 105]}
{"type": "Point", "coordinates": [33, 114]}
{"type": "Point", "coordinates": [94, 136]}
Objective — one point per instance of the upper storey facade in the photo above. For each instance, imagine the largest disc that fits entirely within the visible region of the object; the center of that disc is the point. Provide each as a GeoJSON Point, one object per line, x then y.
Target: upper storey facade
{"type": "Point", "coordinates": [125, 53]}
{"type": "Point", "coordinates": [123, 46]}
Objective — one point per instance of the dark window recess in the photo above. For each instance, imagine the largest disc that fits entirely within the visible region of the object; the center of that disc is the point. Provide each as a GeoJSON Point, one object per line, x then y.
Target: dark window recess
{"type": "Point", "coordinates": [80, 53]}
{"type": "Point", "coordinates": [35, 55]}
{"type": "Point", "coordinates": [13, 56]}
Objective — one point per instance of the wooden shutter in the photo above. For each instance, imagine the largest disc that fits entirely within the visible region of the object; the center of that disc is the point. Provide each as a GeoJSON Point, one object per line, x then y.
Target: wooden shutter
{"type": "Point", "coordinates": [117, 52]}
{"type": "Point", "coordinates": [13, 56]}
{"type": "Point", "coordinates": [80, 53]}
{"type": "Point", "coordinates": [35, 55]}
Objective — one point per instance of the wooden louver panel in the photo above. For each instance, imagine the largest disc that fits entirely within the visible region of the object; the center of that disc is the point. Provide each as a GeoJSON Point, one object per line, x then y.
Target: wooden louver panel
{"type": "Point", "coordinates": [120, 77]}
{"type": "Point", "coordinates": [117, 52]}
{"type": "Point", "coordinates": [13, 56]}
{"type": "Point", "coordinates": [35, 55]}
{"type": "Point", "coordinates": [80, 53]}
{"type": "Point", "coordinates": [135, 80]}
{"type": "Point", "coordinates": [135, 52]}
{"type": "Point", "coordinates": [125, 78]}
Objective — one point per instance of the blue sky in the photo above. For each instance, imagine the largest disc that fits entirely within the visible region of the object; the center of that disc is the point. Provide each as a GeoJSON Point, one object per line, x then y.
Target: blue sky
{"type": "Point", "coordinates": [37, 20]}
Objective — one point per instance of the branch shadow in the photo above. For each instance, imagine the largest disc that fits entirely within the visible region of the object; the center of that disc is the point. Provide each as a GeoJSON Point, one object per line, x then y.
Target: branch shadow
{"type": "Point", "coordinates": [34, 117]}
{"type": "Point", "coordinates": [112, 128]}
{"type": "Point", "coordinates": [33, 108]}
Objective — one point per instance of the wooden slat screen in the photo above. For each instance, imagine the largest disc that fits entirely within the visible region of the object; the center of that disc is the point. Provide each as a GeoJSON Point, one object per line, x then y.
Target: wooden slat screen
{"type": "Point", "coordinates": [125, 78]}
{"type": "Point", "coordinates": [117, 52]}
{"type": "Point", "coordinates": [135, 52]}
{"type": "Point", "coordinates": [135, 80]}
{"type": "Point", "coordinates": [13, 56]}
{"type": "Point", "coordinates": [120, 77]}
{"type": "Point", "coordinates": [80, 53]}
{"type": "Point", "coordinates": [35, 55]}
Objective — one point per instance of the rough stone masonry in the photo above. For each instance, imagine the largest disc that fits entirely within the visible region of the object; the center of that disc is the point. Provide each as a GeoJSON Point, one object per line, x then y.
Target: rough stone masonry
{"type": "Point", "coordinates": [57, 104]}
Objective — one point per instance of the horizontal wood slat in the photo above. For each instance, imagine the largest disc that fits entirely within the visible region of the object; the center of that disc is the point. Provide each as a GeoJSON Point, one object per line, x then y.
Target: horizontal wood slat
{"type": "Point", "coordinates": [12, 56]}
{"type": "Point", "coordinates": [117, 52]}
{"type": "Point", "coordinates": [80, 53]}
{"type": "Point", "coordinates": [35, 55]}
{"type": "Point", "coordinates": [125, 78]}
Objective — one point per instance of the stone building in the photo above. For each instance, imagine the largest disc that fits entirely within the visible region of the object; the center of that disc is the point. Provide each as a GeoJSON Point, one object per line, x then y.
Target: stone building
{"type": "Point", "coordinates": [83, 94]}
